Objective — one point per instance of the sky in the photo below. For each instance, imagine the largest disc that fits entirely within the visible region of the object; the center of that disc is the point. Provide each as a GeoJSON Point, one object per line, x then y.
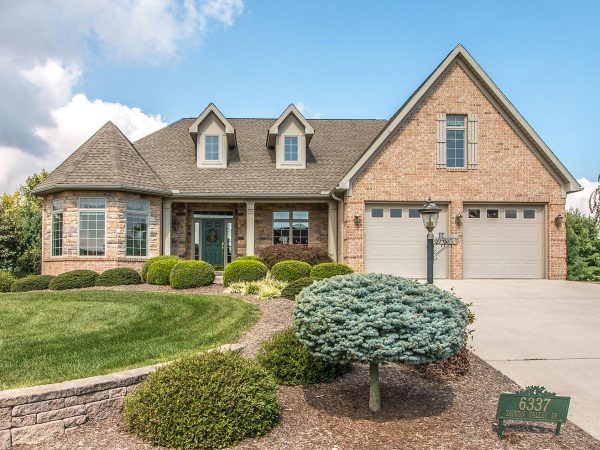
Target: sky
{"type": "Point", "coordinates": [67, 67]}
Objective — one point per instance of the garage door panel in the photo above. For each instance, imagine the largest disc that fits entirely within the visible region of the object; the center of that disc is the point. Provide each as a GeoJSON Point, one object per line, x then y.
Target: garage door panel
{"type": "Point", "coordinates": [503, 247]}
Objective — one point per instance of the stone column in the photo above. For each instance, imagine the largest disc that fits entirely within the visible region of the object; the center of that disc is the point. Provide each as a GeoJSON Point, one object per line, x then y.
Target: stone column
{"type": "Point", "coordinates": [166, 227]}
{"type": "Point", "coordinates": [249, 228]}
{"type": "Point", "coordinates": [332, 230]}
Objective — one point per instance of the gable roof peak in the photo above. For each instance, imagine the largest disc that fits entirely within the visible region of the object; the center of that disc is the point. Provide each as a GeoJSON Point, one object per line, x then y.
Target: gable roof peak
{"type": "Point", "coordinates": [290, 110]}
{"type": "Point", "coordinates": [212, 109]}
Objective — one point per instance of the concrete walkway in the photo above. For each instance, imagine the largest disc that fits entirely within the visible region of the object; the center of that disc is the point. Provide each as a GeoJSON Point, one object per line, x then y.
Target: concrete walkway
{"type": "Point", "coordinates": [541, 332]}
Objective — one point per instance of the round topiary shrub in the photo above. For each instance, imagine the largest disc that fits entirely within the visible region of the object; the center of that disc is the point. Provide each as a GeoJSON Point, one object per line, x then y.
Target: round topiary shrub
{"type": "Point", "coordinates": [160, 271]}
{"type": "Point", "coordinates": [287, 252]}
{"type": "Point", "coordinates": [244, 270]}
{"type": "Point", "coordinates": [74, 279]}
{"type": "Point", "coordinates": [375, 318]}
{"type": "Point", "coordinates": [118, 277]}
{"type": "Point", "coordinates": [190, 274]}
{"type": "Point", "coordinates": [295, 287]}
{"type": "Point", "coordinates": [291, 363]}
{"type": "Point", "coordinates": [32, 283]}
{"type": "Point", "coordinates": [6, 281]}
{"type": "Point", "coordinates": [211, 401]}
{"type": "Point", "coordinates": [150, 261]}
{"type": "Point", "coordinates": [289, 271]}
{"type": "Point", "coordinates": [328, 270]}
{"type": "Point", "coordinates": [247, 257]}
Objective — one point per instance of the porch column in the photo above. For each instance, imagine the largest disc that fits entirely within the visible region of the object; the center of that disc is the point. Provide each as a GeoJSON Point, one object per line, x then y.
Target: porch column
{"type": "Point", "coordinates": [249, 228]}
{"type": "Point", "coordinates": [166, 227]}
{"type": "Point", "coordinates": [332, 230]}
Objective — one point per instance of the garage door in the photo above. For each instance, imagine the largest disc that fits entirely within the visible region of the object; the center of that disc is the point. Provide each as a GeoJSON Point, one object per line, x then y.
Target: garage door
{"type": "Point", "coordinates": [395, 241]}
{"type": "Point", "coordinates": [503, 242]}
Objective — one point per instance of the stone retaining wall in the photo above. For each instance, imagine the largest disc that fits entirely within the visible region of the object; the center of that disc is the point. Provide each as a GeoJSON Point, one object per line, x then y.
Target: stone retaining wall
{"type": "Point", "coordinates": [31, 415]}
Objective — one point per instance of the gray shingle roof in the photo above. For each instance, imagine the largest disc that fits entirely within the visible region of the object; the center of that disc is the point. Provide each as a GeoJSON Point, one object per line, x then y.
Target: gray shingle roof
{"type": "Point", "coordinates": [106, 160]}
{"type": "Point", "coordinates": [337, 144]}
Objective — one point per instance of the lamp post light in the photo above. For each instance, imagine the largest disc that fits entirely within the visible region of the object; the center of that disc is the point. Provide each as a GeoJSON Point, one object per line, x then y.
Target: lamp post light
{"type": "Point", "coordinates": [430, 214]}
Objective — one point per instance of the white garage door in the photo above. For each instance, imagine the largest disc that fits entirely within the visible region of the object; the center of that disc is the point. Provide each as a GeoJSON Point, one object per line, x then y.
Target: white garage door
{"type": "Point", "coordinates": [503, 241]}
{"type": "Point", "coordinates": [396, 241]}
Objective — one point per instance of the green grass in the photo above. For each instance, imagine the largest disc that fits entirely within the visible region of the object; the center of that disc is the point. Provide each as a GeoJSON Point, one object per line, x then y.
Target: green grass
{"type": "Point", "coordinates": [48, 337]}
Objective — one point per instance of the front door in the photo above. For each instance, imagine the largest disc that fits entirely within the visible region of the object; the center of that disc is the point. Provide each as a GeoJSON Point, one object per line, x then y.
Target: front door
{"type": "Point", "coordinates": [213, 241]}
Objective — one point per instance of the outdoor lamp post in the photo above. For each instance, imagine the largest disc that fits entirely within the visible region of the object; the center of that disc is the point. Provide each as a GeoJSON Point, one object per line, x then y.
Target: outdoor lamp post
{"type": "Point", "coordinates": [430, 214]}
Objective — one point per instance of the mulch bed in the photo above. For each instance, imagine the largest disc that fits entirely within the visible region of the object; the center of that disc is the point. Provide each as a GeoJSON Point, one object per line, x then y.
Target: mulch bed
{"type": "Point", "coordinates": [419, 411]}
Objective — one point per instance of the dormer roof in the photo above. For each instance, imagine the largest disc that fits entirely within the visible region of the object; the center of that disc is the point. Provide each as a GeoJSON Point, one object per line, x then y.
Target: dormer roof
{"type": "Point", "coordinates": [274, 130]}
{"type": "Point", "coordinates": [212, 109]}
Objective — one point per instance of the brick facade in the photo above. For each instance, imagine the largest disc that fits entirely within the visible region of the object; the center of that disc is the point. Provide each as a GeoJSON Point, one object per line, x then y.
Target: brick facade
{"type": "Point", "coordinates": [405, 170]}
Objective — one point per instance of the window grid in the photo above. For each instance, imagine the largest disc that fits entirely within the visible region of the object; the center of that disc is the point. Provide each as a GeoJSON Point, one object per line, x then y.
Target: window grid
{"type": "Point", "coordinates": [455, 141]}
{"type": "Point", "coordinates": [92, 226]}
{"type": "Point", "coordinates": [211, 148]}
{"type": "Point", "coordinates": [137, 228]}
{"type": "Point", "coordinates": [290, 226]}
{"type": "Point", "coordinates": [290, 148]}
{"type": "Point", "coordinates": [57, 233]}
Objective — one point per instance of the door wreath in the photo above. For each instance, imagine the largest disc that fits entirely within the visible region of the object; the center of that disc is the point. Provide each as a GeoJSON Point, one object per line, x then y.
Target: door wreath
{"type": "Point", "coordinates": [212, 235]}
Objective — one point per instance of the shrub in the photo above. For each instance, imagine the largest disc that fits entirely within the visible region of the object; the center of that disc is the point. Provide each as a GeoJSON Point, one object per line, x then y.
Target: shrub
{"type": "Point", "coordinates": [218, 267]}
{"type": "Point", "coordinates": [294, 288]}
{"type": "Point", "coordinates": [152, 260]}
{"type": "Point", "coordinates": [375, 318]}
{"type": "Point", "coordinates": [190, 274]}
{"type": "Point", "coordinates": [32, 283]}
{"type": "Point", "coordinates": [74, 279]}
{"type": "Point", "coordinates": [160, 271]}
{"type": "Point", "coordinates": [286, 252]}
{"type": "Point", "coordinates": [291, 363]}
{"type": "Point", "coordinates": [6, 280]}
{"type": "Point", "coordinates": [244, 270]}
{"type": "Point", "coordinates": [290, 270]}
{"type": "Point", "coordinates": [267, 288]}
{"type": "Point", "coordinates": [211, 400]}
{"type": "Point", "coordinates": [247, 257]}
{"type": "Point", "coordinates": [328, 270]}
{"type": "Point", "coordinates": [119, 277]}
{"type": "Point", "coordinates": [583, 247]}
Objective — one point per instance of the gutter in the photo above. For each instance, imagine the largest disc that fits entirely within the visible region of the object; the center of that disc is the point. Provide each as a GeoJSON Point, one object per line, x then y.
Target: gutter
{"type": "Point", "coordinates": [100, 187]}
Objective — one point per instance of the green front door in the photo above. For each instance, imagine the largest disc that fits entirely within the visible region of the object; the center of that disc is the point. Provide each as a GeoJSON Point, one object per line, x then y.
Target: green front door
{"type": "Point", "coordinates": [213, 235]}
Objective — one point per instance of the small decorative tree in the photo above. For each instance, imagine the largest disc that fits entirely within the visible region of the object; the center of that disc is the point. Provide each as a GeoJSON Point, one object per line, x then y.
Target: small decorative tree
{"type": "Point", "coordinates": [595, 202]}
{"type": "Point", "coordinates": [376, 318]}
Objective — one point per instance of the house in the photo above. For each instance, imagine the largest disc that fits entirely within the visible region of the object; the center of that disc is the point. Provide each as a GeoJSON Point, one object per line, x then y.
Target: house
{"type": "Point", "coordinates": [214, 188]}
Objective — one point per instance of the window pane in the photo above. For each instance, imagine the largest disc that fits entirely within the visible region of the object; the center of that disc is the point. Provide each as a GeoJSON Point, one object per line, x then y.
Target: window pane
{"type": "Point", "coordinates": [57, 225]}
{"type": "Point", "coordinates": [92, 203]}
{"type": "Point", "coordinates": [91, 233]}
{"type": "Point", "coordinates": [395, 212]}
{"type": "Point", "coordinates": [455, 121]}
{"type": "Point", "coordinates": [510, 213]}
{"type": "Point", "coordinates": [455, 148]}
{"type": "Point", "coordinates": [140, 206]}
{"type": "Point", "coordinates": [414, 213]}
{"type": "Point", "coordinates": [300, 233]}
{"type": "Point", "coordinates": [290, 149]}
{"type": "Point", "coordinates": [281, 215]}
{"type": "Point", "coordinates": [136, 235]}
{"type": "Point", "coordinates": [492, 214]}
{"type": "Point", "coordinates": [474, 213]}
{"type": "Point", "coordinates": [211, 148]}
{"type": "Point", "coordinates": [529, 214]}
{"type": "Point", "coordinates": [377, 212]}
{"type": "Point", "coordinates": [281, 233]}
{"type": "Point", "coordinates": [300, 215]}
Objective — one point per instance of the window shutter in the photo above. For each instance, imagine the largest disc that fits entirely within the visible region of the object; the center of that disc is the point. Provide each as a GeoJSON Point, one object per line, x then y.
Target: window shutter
{"type": "Point", "coordinates": [441, 140]}
{"type": "Point", "coordinates": [473, 138]}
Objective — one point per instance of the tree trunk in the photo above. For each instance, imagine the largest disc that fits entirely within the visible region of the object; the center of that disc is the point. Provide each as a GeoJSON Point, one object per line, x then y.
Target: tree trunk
{"type": "Point", "coordinates": [374, 396]}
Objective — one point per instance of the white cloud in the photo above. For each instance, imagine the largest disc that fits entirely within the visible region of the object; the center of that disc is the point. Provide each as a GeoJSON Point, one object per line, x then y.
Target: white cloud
{"type": "Point", "coordinates": [581, 200]}
{"type": "Point", "coordinates": [307, 111]}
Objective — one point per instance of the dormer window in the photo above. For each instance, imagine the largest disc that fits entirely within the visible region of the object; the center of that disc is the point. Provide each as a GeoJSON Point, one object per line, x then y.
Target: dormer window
{"type": "Point", "coordinates": [290, 149]}
{"type": "Point", "coordinates": [290, 136]}
{"type": "Point", "coordinates": [213, 135]}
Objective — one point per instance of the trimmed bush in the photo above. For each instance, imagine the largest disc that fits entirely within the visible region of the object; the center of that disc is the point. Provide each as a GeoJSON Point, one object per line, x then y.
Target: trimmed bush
{"type": "Point", "coordinates": [211, 401]}
{"type": "Point", "coordinates": [32, 283]}
{"type": "Point", "coordinates": [287, 252]}
{"type": "Point", "coordinates": [74, 279]}
{"type": "Point", "coordinates": [291, 362]}
{"type": "Point", "coordinates": [244, 270]}
{"type": "Point", "coordinates": [190, 274]}
{"type": "Point", "coordinates": [295, 287]}
{"type": "Point", "coordinates": [289, 271]}
{"type": "Point", "coordinates": [6, 281]}
{"type": "Point", "coordinates": [218, 267]}
{"type": "Point", "coordinates": [328, 270]}
{"type": "Point", "coordinates": [160, 271]}
{"type": "Point", "coordinates": [247, 258]}
{"type": "Point", "coordinates": [118, 277]}
{"type": "Point", "coordinates": [149, 262]}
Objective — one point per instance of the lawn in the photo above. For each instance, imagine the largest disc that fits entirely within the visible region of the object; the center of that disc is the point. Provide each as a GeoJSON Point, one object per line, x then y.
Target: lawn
{"type": "Point", "coordinates": [48, 337]}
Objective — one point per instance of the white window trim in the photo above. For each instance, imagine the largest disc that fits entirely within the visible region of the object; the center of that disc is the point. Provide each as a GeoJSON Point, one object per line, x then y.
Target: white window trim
{"type": "Point", "coordinates": [221, 162]}
{"type": "Point", "coordinates": [209, 161]}
{"type": "Point", "coordinates": [79, 211]}
{"type": "Point", "coordinates": [135, 213]}
{"type": "Point", "coordinates": [466, 143]}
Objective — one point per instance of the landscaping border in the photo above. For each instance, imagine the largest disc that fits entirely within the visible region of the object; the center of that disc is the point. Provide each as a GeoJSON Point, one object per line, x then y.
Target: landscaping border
{"type": "Point", "coordinates": [33, 414]}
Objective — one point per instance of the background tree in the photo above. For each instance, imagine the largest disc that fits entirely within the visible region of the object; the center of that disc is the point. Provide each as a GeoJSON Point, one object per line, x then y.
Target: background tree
{"type": "Point", "coordinates": [376, 318]}
{"type": "Point", "coordinates": [21, 228]}
{"type": "Point", "coordinates": [583, 247]}
{"type": "Point", "coordinates": [595, 202]}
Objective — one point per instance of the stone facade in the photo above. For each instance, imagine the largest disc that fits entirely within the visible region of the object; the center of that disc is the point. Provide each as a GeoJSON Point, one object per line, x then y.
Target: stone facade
{"type": "Point", "coordinates": [116, 215]}
{"type": "Point", "coordinates": [405, 170]}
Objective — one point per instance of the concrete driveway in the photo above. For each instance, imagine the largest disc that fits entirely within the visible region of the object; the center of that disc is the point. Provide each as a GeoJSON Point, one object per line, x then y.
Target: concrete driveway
{"type": "Point", "coordinates": [541, 332]}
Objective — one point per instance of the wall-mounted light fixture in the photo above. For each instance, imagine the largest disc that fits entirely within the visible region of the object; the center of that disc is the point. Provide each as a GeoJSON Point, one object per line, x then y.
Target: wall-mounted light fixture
{"type": "Point", "coordinates": [357, 218]}
{"type": "Point", "coordinates": [459, 219]}
{"type": "Point", "coordinates": [558, 220]}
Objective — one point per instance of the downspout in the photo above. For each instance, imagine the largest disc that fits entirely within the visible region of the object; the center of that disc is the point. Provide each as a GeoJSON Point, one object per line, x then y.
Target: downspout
{"type": "Point", "coordinates": [340, 227]}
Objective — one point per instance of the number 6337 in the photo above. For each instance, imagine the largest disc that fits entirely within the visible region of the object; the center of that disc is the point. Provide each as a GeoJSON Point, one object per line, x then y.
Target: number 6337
{"type": "Point", "coordinates": [534, 404]}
